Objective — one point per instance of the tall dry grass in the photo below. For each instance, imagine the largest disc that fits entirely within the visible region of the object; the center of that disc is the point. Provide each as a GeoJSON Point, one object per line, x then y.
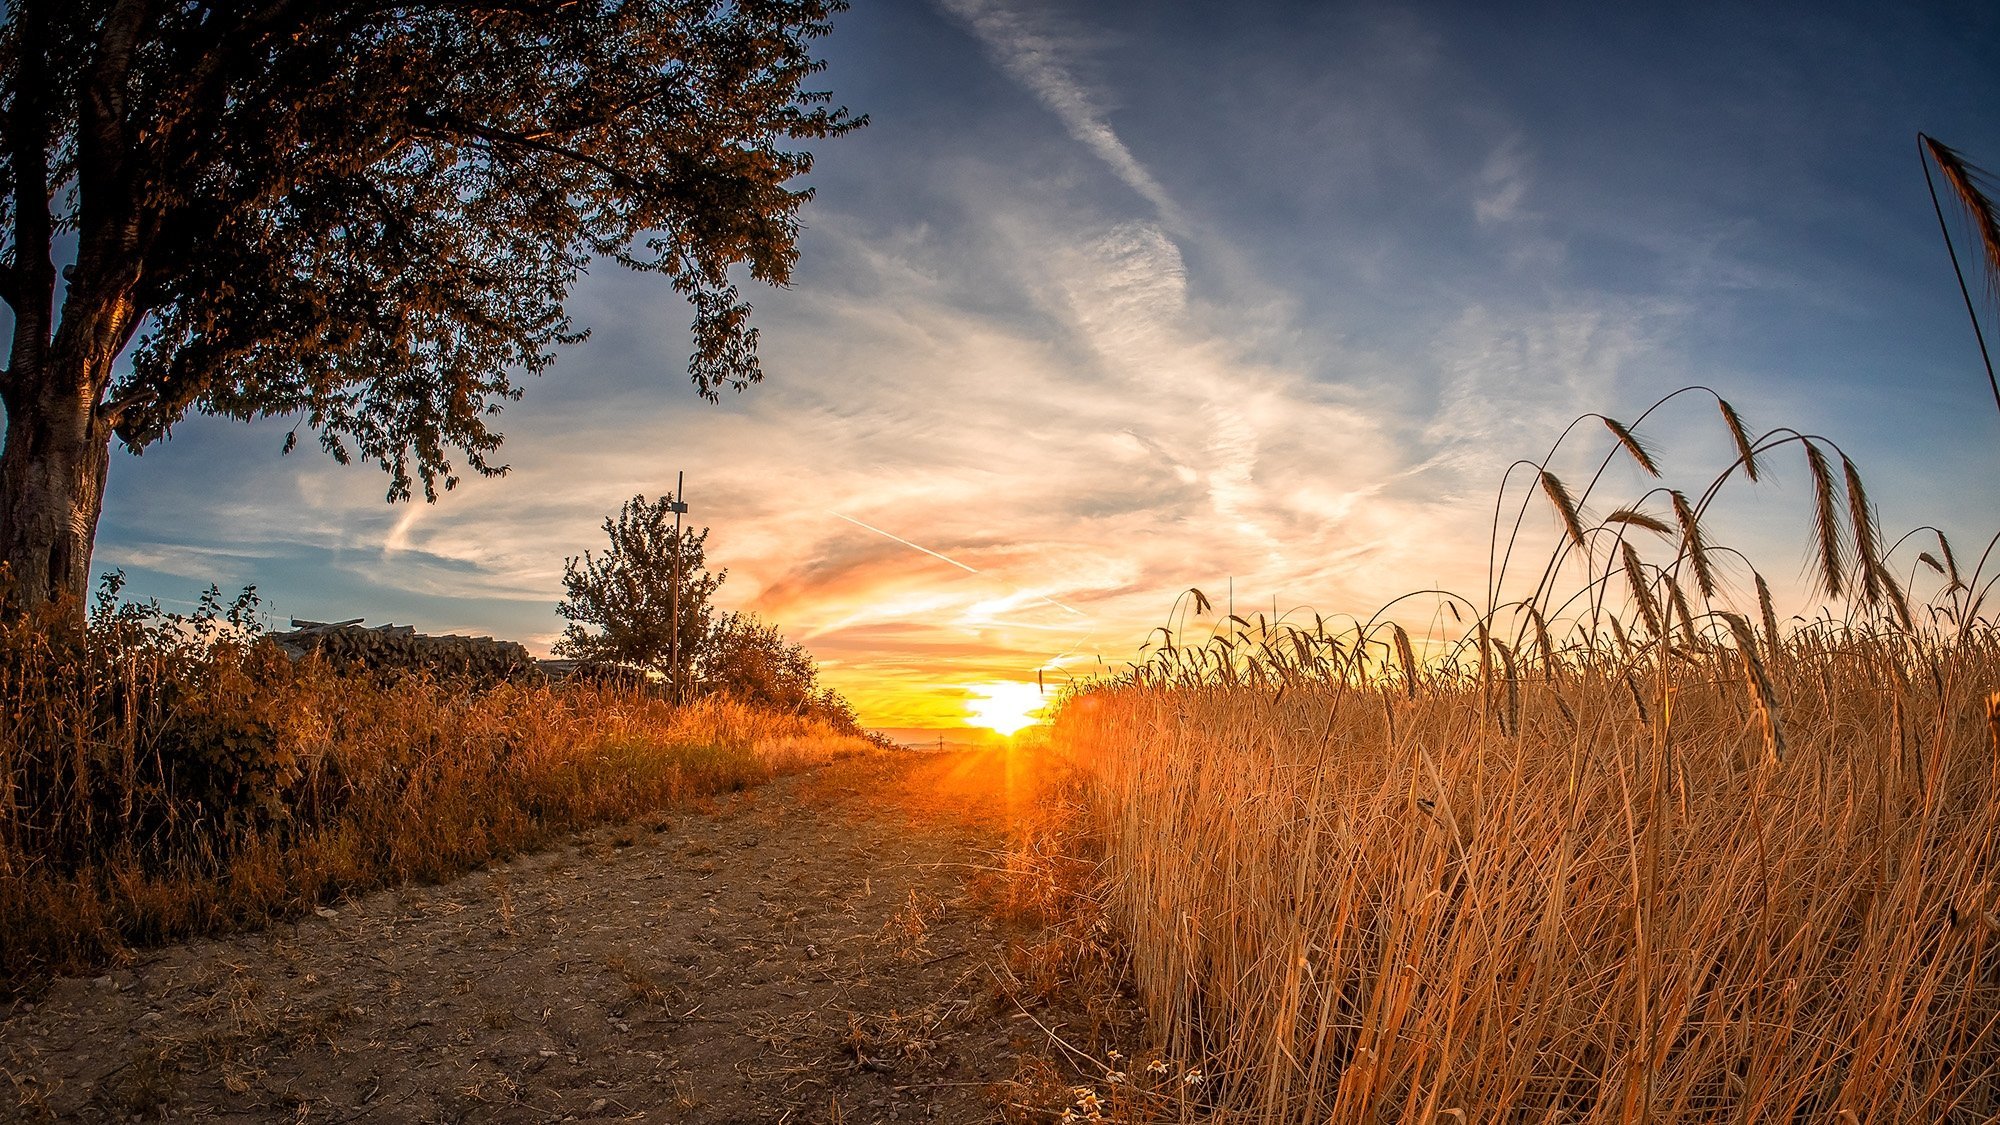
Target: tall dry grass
{"type": "Point", "coordinates": [160, 778]}
{"type": "Point", "coordinates": [1624, 850]}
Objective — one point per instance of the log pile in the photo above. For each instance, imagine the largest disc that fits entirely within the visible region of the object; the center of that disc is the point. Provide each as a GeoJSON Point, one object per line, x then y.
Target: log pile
{"type": "Point", "coordinates": [400, 648]}
{"type": "Point", "coordinates": [597, 674]}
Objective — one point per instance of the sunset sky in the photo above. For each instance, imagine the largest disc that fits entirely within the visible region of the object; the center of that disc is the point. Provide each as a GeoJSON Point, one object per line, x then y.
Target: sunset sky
{"type": "Point", "coordinates": [1115, 299]}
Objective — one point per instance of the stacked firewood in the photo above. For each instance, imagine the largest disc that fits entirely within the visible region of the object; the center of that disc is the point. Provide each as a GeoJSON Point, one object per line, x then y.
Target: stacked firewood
{"type": "Point", "coordinates": [598, 674]}
{"type": "Point", "coordinates": [400, 648]}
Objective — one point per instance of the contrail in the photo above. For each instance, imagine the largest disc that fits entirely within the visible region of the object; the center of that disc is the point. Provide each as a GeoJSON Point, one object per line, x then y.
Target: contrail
{"type": "Point", "coordinates": [949, 559]}
{"type": "Point", "coordinates": [904, 542]}
{"type": "Point", "coordinates": [1033, 56]}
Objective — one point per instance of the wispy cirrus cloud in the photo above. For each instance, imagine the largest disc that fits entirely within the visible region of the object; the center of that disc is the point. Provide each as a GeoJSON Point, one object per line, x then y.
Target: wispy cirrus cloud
{"type": "Point", "coordinates": [1036, 51]}
{"type": "Point", "coordinates": [1066, 458]}
{"type": "Point", "coordinates": [1292, 339]}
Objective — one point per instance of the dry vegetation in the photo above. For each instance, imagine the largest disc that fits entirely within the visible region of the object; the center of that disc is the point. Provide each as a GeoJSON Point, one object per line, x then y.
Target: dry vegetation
{"type": "Point", "coordinates": [163, 778]}
{"type": "Point", "coordinates": [1623, 851]}
{"type": "Point", "coordinates": [1618, 846]}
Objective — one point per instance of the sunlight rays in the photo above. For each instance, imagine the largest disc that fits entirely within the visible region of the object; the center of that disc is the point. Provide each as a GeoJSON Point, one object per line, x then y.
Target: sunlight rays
{"type": "Point", "coordinates": [1005, 707]}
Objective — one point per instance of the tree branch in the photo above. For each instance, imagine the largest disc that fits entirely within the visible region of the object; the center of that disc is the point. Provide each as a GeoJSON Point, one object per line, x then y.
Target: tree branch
{"type": "Point", "coordinates": [430, 124]}
{"type": "Point", "coordinates": [597, 121]}
{"type": "Point", "coordinates": [103, 183]}
{"type": "Point", "coordinates": [31, 278]}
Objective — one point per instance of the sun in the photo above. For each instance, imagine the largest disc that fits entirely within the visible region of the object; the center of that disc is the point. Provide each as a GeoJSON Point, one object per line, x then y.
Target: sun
{"type": "Point", "coordinates": [1004, 706]}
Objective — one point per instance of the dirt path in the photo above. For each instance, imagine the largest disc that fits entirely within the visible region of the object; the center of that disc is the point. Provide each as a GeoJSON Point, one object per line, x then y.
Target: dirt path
{"type": "Point", "coordinates": [800, 953]}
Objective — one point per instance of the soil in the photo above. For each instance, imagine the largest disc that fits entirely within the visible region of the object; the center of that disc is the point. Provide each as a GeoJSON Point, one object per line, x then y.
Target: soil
{"type": "Point", "coordinates": [803, 952]}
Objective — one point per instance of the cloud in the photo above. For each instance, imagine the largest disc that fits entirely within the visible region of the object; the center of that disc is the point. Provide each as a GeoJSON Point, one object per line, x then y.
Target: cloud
{"type": "Point", "coordinates": [1093, 408]}
{"type": "Point", "coordinates": [1512, 382]}
{"type": "Point", "coordinates": [1040, 56]}
{"type": "Point", "coordinates": [1504, 184]}
{"type": "Point", "coordinates": [1093, 433]}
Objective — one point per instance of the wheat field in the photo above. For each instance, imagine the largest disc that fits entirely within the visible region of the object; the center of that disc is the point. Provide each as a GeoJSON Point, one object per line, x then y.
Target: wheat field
{"type": "Point", "coordinates": [1622, 851]}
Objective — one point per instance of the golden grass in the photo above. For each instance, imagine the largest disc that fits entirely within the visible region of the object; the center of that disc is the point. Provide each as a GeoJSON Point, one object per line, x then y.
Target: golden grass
{"type": "Point", "coordinates": [160, 786]}
{"type": "Point", "coordinates": [1654, 868]}
{"type": "Point", "coordinates": [1599, 919]}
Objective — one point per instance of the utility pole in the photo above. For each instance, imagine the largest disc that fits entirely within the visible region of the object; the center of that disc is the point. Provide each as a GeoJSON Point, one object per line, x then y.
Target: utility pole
{"type": "Point", "coordinates": [679, 508]}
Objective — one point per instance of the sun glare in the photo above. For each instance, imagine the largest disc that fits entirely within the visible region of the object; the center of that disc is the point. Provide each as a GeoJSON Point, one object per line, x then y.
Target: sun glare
{"type": "Point", "coordinates": [1004, 706]}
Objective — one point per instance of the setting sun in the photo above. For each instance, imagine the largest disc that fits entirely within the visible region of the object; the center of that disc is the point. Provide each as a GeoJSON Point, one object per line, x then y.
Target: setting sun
{"type": "Point", "coordinates": [1004, 706]}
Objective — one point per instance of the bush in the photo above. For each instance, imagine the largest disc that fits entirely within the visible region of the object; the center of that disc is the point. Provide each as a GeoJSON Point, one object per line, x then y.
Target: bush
{"type": "Point", "coordinates": [138, 728]}
{"type": "Point", "coordinates": [748, 658]}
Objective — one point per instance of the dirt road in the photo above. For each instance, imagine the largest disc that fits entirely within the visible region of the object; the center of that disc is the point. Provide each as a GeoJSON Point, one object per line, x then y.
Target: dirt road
{"type": "Point", "coordinates": [804, 952]}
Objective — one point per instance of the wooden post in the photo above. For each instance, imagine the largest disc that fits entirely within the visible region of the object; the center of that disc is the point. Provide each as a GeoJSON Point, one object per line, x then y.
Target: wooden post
{"type": "Point", "coordinates": [679, 508]}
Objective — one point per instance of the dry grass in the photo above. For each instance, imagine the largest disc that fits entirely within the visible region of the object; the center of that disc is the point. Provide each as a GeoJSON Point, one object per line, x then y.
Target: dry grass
{"type": "Point", "coordinates": [1601, 859]}
{"type": "Point", "coordinates": [161, 782]}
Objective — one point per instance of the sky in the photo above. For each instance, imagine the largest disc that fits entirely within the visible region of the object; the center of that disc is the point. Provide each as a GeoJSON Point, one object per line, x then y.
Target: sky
{"type": "Point", "coordinates": [1112, 300]}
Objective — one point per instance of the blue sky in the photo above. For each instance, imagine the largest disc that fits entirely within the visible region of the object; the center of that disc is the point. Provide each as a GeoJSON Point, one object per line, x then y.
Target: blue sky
{"type": "Point", "coordinates": [1115, 299]}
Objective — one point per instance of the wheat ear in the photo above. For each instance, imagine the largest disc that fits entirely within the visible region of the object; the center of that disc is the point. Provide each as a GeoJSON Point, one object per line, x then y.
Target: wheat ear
{"type": "Point", "coordinates": [1826, 538]}
{"type": "Point", "coordinates": [1639, 452]}
{"type": "Point", "coordinates": [1861, 516]}
{"type": "Point", "coordinates": [1565, 508]}
{"type": "Point", "coordinates": [1642, 594]}
{"type": "Point", "coordinates": [1691, 542]}
{"type": "Point", "coordinates": [1759, 683]}
{"type": "Point", "coordinates": [1741, 436]}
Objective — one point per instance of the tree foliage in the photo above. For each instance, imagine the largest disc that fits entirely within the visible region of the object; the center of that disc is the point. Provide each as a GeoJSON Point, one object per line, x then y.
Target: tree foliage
{"type": "Point", "coordinates": [627, 593]}
{"type": "Point", "coordinates": [366, 216]}
{"type": "Point", "coordinates": [749, 658]}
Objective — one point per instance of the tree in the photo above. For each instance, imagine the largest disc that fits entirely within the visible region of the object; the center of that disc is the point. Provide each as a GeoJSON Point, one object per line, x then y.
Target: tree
{"type": "Point", "coordinates": [628, 593]}
{"type": "Point", "coordinates": [748, 658]}
{"type": "Point", "coordinates": [364, 215]}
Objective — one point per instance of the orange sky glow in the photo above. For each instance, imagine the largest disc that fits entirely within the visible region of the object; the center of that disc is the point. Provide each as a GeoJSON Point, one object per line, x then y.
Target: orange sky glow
{"type": "Point", "coordinates": [1075, 329]}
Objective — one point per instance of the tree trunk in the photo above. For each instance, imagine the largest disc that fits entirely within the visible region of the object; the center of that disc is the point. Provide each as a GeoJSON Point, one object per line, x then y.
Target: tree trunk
{"type": "Point", "coordinates": [51, 491]}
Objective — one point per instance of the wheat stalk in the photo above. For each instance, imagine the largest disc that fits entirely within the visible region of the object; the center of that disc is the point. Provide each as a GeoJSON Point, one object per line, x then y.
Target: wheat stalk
{"type": "Point", "coordinates": [1642, 593]}
{"type": "Point", "coordinates": [1741, 436]}
{"type": "Point", "coordinates": [1680, 606]}
{"type": "Point", "coordinates": [1623, 641]}
{"type": "Point", "coordinates": [1826, 539]}
{"type": "Point", "coordinates": [1950, 563]}
{"type": "Point", "coordinates": [1861, 516]}
{"type": "Point", "coordinates": [1633, 517]}
{"type": "Point", "coordinates": [1761, 691]}
{"type": "Point", "coordinates": [1770, 618]}
{"type": "Point", "coordinates": [1639, 452]}
{"type": "Point", "coordinates": [1965, 179]}
{"type": "Point", "coordinates": [1512, 715]}
{"type": "Point", "coordinates": [1407, 656]}
{"type": "Point", "coordinates": [1542, 642]}
{"type": "Point", "coordinates": [1899, 602]}
{"type": "Point", "coordinates": [1691, 542]}
{"type": "Point", "coordinates": [1565, 507]}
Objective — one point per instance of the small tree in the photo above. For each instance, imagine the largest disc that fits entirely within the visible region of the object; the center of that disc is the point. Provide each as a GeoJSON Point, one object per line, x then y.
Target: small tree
{"type": "Point", "coordinates": [628, 593]}
{"type": "Point", "coordinates": [748, 658]}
